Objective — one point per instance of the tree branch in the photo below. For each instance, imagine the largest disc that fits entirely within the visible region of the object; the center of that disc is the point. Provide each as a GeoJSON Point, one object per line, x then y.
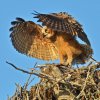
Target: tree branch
{"type": "Point", "coordinates": [35, 72]}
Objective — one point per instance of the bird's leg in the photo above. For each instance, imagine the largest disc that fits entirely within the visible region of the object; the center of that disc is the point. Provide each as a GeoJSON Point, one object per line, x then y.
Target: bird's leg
{"type": "Point", "coordinates": [69, 61]}
{"type": "Point", "coordinates": [61, 59]}
{"type": "Point", "coordinates": [65, 60]}
{"type": "Point", "coordinates": [69, 58]}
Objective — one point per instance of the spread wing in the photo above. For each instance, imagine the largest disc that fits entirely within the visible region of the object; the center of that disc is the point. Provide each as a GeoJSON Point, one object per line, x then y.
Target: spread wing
{"type": "Point", "coordinates": [63, 22]}
{"type": "Point", "coordinates": [26, 37]}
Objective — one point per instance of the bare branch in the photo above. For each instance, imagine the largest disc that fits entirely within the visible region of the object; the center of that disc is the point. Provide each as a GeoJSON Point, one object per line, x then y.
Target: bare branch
{"type": "Point", "coordinates": [85, 80]}
{"type": "Point", "coordinates": [35, 72]}
{"type": "Point", "coordinates": [27, 82]}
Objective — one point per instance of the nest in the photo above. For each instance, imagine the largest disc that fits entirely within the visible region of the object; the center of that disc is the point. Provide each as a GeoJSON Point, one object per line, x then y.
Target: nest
{"type": "Point", "coordinates": [59, 82]}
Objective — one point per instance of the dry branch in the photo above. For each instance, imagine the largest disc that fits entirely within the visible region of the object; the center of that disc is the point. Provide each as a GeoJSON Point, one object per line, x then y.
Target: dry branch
{"type": "Point", "coordinates": [58, 82]}
{"type": "Point", "coordinates": [35, 72]}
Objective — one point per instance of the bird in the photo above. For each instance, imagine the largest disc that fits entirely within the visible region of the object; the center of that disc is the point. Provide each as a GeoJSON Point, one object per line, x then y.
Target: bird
{"type": "Point", "coordinates": [54, 38]}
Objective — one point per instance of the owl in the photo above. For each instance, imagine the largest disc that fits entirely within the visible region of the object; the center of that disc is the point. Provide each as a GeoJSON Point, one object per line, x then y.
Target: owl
{"type": "Point", "coordinates": [54, 38]}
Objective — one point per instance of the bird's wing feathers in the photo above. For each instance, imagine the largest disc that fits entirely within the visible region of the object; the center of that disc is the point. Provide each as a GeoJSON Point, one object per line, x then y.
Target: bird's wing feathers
{"type": "Point", "coordinates": [63, 22]}
{"type": "Point", "coordinates": [26, 37]}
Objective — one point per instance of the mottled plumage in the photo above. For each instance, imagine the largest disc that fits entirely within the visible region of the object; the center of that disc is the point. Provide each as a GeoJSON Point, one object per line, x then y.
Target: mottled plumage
{"type": "Point", "coordinates": [56, 40]}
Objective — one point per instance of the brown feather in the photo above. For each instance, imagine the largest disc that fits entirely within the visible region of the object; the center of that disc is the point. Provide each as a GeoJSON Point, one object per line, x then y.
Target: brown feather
{"type": "Point", "coordinates": [26, 37]}
{"type": "Point", "coordinates": [66, 23]}
{"type": "Point", "coordinates": [55, 41]}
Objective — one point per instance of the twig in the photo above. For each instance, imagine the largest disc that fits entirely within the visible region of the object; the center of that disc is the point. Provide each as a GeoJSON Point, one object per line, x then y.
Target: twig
{"type": "Point", "coordinates": [35, 72]}
{"type": "Point", "coordinates": [27, 82]}
{"type": "Point", "coordinates": [31, 81]}
{"type": "Point", "coordinates": [98, 63]}
{"type": "Point", "coordinates": [93, 59]}
{"type": "Point", "coordinates": [85, 81]}
{"type": "Point", "coordinates": [8, 98]}
{"type": "Point", "coordinates": [40, 66]}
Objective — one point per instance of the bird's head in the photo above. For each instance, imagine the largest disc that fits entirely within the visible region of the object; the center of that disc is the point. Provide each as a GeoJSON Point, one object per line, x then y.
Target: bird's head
{"type": "Point", "coordinates": [47, 32]}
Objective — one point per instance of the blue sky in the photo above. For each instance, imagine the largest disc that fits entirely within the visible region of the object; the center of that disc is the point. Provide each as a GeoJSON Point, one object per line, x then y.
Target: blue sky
{"type": "Point", "coordinates": [87, 12]}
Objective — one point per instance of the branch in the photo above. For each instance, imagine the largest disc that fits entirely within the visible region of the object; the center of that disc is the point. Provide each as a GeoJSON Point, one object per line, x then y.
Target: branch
{"type": "Point", "coordinates": [35, 72]}
{"type": "Point", "coordinates": [84, 85]}
{"type": "Point", "coordinates": [27, 82]}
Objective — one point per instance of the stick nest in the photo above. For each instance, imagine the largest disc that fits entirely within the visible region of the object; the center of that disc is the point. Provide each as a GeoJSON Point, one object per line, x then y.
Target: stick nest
{"type": "Point", "coordinates": [59, 82]}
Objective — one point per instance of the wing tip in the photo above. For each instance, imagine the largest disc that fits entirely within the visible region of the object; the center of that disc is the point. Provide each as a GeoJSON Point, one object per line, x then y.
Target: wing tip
{"type": "Point", "coordinates": [20, 19]}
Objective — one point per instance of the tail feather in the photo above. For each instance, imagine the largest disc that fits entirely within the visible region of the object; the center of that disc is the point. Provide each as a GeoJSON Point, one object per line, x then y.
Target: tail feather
{"type": "Point", "coordinates": [85, 56]}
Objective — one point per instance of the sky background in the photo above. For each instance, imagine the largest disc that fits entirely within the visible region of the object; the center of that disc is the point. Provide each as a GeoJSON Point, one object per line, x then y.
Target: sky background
{"type": "Point", "coordinates": [87, 12]}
